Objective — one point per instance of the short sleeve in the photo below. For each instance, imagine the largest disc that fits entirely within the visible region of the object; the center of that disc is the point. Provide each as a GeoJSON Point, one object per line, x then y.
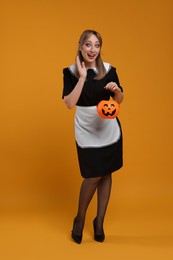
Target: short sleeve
{"type": "Point", "coordinates": [115, 78]}
{"type": "Point", "coordinates": [68, 82]}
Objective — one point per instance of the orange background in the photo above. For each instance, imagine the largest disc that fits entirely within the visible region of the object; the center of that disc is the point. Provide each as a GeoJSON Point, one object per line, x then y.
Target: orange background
{"type": "Point", "coordinates": [39, 171]}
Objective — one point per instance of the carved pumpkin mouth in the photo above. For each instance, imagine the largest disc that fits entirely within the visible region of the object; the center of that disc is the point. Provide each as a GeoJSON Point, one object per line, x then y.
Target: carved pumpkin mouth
{"type": "Point", "coordinates": [108, 113]}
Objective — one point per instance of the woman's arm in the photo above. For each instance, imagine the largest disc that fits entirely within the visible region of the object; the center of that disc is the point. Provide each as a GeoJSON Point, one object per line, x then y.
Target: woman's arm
{"type": "Point", "coordinates": [71, 99]}
{"type": "Point", "coordinates": [119, 96]}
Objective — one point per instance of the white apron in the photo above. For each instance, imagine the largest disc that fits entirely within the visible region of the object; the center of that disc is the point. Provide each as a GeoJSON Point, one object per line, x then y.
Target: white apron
{"type": "Point", "coordinates": [93, 131]}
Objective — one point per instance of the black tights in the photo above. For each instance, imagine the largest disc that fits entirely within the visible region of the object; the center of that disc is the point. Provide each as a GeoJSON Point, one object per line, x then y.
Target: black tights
{"type": "Point", "coordinates": [88, 188]}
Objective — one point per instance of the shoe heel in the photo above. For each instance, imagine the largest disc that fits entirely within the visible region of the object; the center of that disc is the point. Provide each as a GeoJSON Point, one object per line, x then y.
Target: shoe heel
{"type": "Point", "coordinates": [100, 237]}
{"type": "Point", "coordinates": [77, 238]}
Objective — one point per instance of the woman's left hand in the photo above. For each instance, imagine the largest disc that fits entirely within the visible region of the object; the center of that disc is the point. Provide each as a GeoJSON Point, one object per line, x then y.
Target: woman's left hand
{"type": "Point", "coordinates": [119, 96]}
{"type": "Point", "coordinates": [112, 86]}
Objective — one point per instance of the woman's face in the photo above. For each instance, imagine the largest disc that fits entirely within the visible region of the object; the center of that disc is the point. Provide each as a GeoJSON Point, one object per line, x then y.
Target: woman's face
{"type": "Point", "coordinates": [90, 50]}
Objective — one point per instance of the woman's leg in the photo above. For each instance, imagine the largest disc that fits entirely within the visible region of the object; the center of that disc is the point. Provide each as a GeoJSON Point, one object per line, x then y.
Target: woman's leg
{"type": "Point", "coordinates": [87, 191]}
{"type": "Point", "coordinates": [103, 195]}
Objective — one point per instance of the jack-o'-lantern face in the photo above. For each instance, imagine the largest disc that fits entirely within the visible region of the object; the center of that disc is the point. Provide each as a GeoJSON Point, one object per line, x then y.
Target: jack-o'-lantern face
{"type": "Point", "coordinates": [108, 109]}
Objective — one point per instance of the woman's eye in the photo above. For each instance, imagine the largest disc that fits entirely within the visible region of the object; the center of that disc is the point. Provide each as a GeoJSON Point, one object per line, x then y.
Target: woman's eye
{"type": "Point", "coordinates": [88, 45]}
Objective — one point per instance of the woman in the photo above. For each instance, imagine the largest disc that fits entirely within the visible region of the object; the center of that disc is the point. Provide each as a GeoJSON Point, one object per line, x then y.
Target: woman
{"type": "Point", "coordinates": [98, 141]}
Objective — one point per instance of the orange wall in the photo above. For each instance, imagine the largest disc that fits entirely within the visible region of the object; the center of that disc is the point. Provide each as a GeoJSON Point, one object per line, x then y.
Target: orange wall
{"type": "Point", "coordinates": [38, 157]}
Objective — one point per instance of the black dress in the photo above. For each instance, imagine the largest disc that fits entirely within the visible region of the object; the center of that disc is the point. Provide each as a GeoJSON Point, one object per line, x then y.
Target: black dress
{"type": "Point", "coordinates": [98, 141]}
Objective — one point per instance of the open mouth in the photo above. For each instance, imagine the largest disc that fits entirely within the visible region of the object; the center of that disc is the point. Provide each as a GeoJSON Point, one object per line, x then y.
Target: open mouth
{"type": "Point", "coordinates": [91, 56]}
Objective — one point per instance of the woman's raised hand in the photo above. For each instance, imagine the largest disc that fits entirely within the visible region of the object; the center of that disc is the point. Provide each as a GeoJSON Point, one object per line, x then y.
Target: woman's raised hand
{"type": "Point", "coordinates": [81, 68]}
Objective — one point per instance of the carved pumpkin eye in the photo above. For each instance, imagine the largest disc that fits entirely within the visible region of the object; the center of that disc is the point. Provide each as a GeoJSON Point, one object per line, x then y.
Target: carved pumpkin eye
{"type": "Point", "coordinates": [108, 109]}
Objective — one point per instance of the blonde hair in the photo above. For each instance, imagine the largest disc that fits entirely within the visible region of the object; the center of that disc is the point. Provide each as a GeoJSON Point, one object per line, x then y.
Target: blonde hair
{"type": "Point", "coordinates": [99, 63]}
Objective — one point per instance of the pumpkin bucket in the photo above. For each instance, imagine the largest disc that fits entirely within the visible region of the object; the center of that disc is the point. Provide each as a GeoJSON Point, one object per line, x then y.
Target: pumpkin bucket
{"type": "Point", "coordinates": [108, 109]}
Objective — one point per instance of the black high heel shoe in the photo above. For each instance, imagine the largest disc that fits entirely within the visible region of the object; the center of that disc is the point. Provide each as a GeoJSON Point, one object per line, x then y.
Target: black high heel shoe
{"type": "Point", "coordinates": [98, 237]}
{"type": "Point", "coordinates": [77, 238]}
